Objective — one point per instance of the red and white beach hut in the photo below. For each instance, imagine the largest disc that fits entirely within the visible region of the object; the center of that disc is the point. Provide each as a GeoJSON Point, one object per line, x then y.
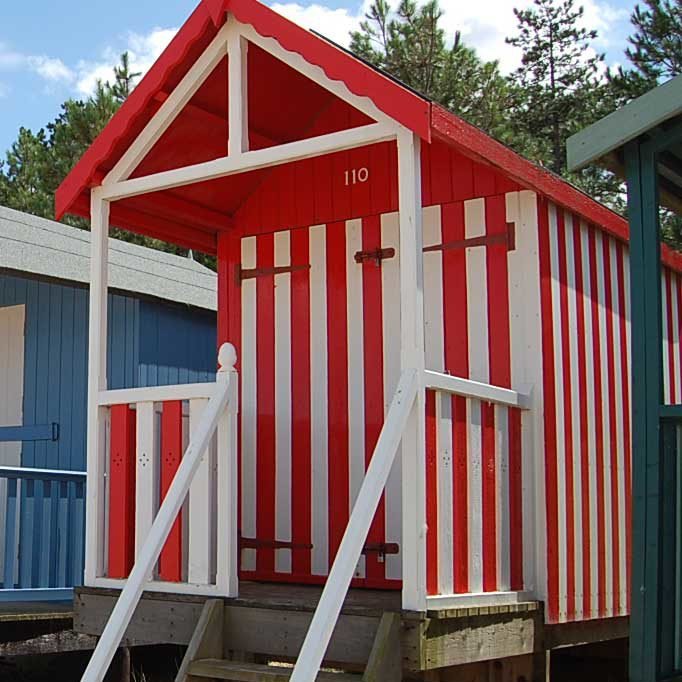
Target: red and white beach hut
{"type": "Point", "coordinates": [387, 274]}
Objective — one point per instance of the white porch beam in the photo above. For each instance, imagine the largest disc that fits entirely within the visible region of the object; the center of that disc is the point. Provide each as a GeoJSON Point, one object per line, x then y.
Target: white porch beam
{"type": "Point", "coordinates": [238, 93]}
{"type": "Point", "coordinates": [169, 110]}
{"type": "Point", "coordinates": [412, 357]}
{"type": "Point", "coordinates": [261, 158]}
{"type": "Point", "coordinates": [97, 381]}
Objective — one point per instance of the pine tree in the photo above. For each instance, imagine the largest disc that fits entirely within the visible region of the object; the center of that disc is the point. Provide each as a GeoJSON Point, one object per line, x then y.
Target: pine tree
{"type": "Point", "coordinates": [655, 51]}
{"type": "Point", "coordinates": [124, 79]}
{"type": "Point", "coordinates": [557, 87]}
{"type": "Point", "coordinates": [409, 43]}
{"type": "Point", "coordinates": [656, 45]}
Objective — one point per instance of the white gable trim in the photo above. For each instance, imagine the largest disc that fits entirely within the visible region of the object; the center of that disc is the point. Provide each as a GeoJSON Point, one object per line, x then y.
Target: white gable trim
{"type": "Point", "coordinates": [232, 39]}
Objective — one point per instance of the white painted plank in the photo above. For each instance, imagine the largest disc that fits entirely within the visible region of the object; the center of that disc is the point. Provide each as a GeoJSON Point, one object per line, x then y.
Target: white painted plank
{"type": "Point", "coordinates": [200, 556]}
{"type": "Point", "coordinates": [97, 381]}
{"type": "Point", "coordinates": [576, 453]}
{"type": "Point", "coordinates": [390, 309]}
{"type": "Point", "coordinates": [475, 495]}
{"type": "Point", "coordinates": [502, 534]}
{"type": "Point", "coordinates": [249, 379]}
{"type": "Point", "coordinates": [560, 422]}
{"type": "Point", "coordinates": [589, 290]}
{"type": "Point", "coordinates": [356, 366]}
{"type": "Point", "coordinates": [146, 472]}
{"type": "Point", "coordinates": [282, 401]}
{"type": "Point", "coordinates": [412, 357]}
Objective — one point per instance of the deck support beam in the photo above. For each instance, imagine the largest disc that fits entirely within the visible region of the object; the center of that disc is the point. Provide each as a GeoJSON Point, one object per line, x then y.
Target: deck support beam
{"type": "Point", "coordinates": [412, 357]}
{"type": "Point", "coordinates": [97, 381]}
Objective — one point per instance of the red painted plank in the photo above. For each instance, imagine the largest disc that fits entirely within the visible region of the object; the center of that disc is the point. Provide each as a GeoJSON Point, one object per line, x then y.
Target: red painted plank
{"type": "Point", "coordinates": [230, 254]}
{"type": "Point", "coordinates": [461, 495]}
{"type": "Point", "coordinates": [551, 503]}
{"type": "Point", "coordinates": [462, 169]}
{"type": "Point", "coordinates": [301, 479]}
{"type": "Point", "coordinates": [599, 425]}
{"type": "Point", "coordinates": [625, 372]}
{"type": "Point", "coordinates": [431, 495]}
{"type": "Point", "coordinates": [265, 396]}
{"type": "Point", "coordinates": [515, 501]}
{"type": "Point", "coordinates": [499, 350]}
{"type": "Point", "coordinates": [567, 416]}
{"type": "Point", "coordinates": [170, 561]}
{"type": "Point", "coordinates": [337, 353]}
{"type": "Point", "coordinates": [489, 508]}
{"type": "Point", "coordinates": [441, 186]}
{"type": "Point", "coordinates": [373, 348]}
{"type": "Point", "coordinates": [122, 492]}
{"type": "Point", "coordinates": [499, 362]}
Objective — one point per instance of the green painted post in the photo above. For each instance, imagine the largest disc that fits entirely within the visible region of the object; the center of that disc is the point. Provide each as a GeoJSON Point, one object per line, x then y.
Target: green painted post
{"type": "Point", "coordinates": [646, 400]}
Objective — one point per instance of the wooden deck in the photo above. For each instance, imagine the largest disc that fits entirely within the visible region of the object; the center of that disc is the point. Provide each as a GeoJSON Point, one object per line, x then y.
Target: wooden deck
{"type": "Point", "coordinates": [33, 627]}
{"type": "Point", "coordinates": [270, 620]}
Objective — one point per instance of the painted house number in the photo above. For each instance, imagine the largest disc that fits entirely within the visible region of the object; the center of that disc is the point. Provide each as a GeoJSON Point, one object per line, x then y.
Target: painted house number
{"type": "Point", "coordinates": [356, 175]}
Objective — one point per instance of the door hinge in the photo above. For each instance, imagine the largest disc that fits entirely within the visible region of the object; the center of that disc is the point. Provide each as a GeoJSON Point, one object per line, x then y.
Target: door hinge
{"type": "Point", "coordinates": [506, 238]}
{"type": "Point", "coordinates": [258, 543]}
{"type": "Point", "coordinates": [263, 272]}
{"type": "Point", "coordinates": [381, 548]}
{"type": "Point", "coordinates": [374, 255]}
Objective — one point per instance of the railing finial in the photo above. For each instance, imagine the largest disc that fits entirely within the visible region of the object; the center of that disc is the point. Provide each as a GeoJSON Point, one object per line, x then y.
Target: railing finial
{"type": "Point", "coordinates": [227, 358]}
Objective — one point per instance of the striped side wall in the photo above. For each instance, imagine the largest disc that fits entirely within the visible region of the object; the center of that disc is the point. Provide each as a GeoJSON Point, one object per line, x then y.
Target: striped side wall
{"type": "Point", "coordinates": [586, 341]}
{"type": "Point", "coordinates": [319, 368]}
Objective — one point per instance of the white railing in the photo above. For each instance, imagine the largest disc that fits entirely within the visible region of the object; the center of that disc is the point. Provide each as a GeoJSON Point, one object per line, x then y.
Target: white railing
{"type": "Point", "coordinates": [477, 429]}
{"type": "Point", "coordinates": [338, 582]}
{"type": "Point", "coordinates": [219, 413]}
{"type": "Point", "coordinates": [404, 402]}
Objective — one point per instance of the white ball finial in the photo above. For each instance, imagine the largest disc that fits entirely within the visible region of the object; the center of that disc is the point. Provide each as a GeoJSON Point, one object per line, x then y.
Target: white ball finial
{"type": "Point", "coordinates": [227, 357]}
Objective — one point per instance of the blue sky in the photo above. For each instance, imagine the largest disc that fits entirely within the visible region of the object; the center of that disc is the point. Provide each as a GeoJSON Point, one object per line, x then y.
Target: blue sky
{"type": "Point", "coordinates": [51, 50]}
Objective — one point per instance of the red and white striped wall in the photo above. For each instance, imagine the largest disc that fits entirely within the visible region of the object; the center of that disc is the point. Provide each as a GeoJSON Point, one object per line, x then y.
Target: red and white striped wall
{"type": "Point", "coordinates": [586, 341]}
{"type": "Point", "coordinates": [475, 469]}
{"type": "Point", "coordinates": [319, 366]}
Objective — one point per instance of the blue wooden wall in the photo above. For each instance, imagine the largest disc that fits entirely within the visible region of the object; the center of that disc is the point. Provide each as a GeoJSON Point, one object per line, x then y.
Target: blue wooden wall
{"type": "Point", "coordinates": [150, 343]}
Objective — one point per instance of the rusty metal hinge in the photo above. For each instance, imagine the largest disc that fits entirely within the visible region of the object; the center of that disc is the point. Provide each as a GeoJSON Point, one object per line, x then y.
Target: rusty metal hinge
{"type": "Point", "coordinates": [258, 543]}
{"type": "Point", "coordinates": [506, 238]}
{"type": "Point", "coordinates": [381, 548]}
{"type": "Point", "coordinates": [374, 255]}
{"type": "Point", "coordinates": [262, 272]}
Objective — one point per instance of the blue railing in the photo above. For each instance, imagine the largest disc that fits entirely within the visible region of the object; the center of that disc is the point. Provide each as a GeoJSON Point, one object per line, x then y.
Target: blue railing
{"type": "Point", "coordinates": [42, 525]}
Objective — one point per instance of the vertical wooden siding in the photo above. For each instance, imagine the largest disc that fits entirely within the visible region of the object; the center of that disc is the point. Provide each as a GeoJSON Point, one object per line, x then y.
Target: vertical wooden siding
{"type": "Point", "coordinates": [149, 344]}
{"type": "Point", "coordinates": [586, 353]}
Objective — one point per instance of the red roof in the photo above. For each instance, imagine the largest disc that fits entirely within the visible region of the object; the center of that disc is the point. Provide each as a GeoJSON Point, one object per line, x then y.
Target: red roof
{"type": "Point", "coordinates": [295, 107]}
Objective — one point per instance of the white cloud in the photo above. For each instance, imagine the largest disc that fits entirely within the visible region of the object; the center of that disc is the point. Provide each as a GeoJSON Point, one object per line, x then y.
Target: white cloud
{"type": "Point", "coordinates": [4, 90]}
{"type": "Point", "coordinates": [335, 24]}
{"type": "Point", "coordinates": [143, 50]}
{"type": "Point", "coordinates": [483, 25]}
{"type": "Point", "coordinates": [50, 68]}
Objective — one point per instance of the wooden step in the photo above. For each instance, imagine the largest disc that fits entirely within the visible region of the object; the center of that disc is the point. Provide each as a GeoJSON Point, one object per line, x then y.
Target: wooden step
{"type": "Point", "coordinates": [252, 672]}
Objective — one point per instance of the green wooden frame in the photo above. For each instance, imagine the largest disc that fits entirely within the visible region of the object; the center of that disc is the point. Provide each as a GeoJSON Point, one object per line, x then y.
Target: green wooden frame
{"type": "Point", "coordinates": [656, 588]}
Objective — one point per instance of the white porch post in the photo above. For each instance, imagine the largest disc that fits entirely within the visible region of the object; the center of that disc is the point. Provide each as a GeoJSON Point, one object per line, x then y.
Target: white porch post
{"type": "Point", "coordinates": [97, 381]}
{"type": "Point", "coordinates": [412, 357]}
{"type": "Point", "coordinates": [238, 95]}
